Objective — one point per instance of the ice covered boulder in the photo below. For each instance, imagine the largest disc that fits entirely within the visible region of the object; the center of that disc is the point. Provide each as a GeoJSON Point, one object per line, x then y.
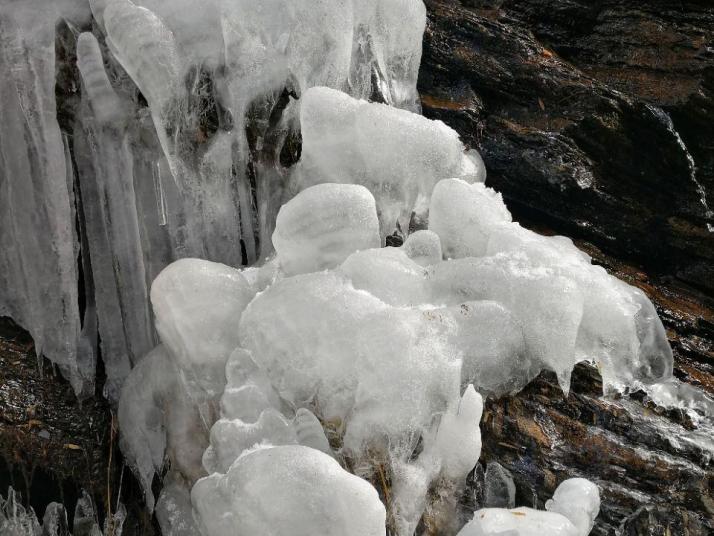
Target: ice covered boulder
{"type": "Point", "coordinates": [398, 155]}
{"type": "Point", "coordinates": [464, 215]}
{"type": "Point", "coordinates": [198, 306]}
{"type": "Point", "coordinates": [288, 491]}
{"type": "Point", "coordinates": [577, 499]}
{"type": "Point", "coordinates": [518, 522]}
{"type": "Point", "coordinates": [323, 225]}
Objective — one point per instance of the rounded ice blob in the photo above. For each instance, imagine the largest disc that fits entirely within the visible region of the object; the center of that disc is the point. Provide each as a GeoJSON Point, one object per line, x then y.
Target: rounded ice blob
{"type": "Point", "coordinates": [322, 225]}
{"type": "Point", "coordinates": [288, 491]}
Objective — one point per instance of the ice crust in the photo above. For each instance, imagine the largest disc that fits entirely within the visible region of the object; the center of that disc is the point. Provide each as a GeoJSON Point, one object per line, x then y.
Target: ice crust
{"type": "Point", "coordinates": [253, 390]}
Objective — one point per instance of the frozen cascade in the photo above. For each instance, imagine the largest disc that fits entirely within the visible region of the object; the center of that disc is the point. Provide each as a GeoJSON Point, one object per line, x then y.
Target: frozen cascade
{"type": "Point", "coordinates": [38, 268]}
{"type": "Point", "coordinates": [208, 162]}
{"type": "Point", "coordinates": [335, 386]}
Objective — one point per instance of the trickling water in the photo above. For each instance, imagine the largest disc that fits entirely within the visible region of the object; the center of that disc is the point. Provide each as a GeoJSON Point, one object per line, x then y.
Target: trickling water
{"type": "Point", "coordinates": [665, 118]}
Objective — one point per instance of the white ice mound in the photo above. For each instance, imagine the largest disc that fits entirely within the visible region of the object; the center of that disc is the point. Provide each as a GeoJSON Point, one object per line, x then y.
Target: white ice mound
{"type": "Point", "coordinates": [571, 512]}
{"type": "Point", "coordinates": [577, 499]}
{"type": "Point", "coordinates": [381, 370]}
{"type": "Point", "coordinates": [322, 225]}
{"type": "Point", "coordinates": [398, 155]}
{"type": "Point", "coordinates": [198, 306]}
{"type": "Point", "coordinates": [518, 522]}
{"type": "Point", "coordinates": [569, 310]}
{"type": "Point", "coordinates": [463, 215]}
{"type": "Point", "coordinates": [287, 491]}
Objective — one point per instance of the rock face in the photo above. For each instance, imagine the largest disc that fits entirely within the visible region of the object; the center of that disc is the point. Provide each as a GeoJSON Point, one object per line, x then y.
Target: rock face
{"type": "Point", "coordinates": [595, 117]}
{"type": "Point", "coordinates": [594, 120]}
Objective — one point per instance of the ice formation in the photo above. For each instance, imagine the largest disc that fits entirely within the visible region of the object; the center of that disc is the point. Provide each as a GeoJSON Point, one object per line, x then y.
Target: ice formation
{"type": "Point", "coordinates": [288, 490]}
{"type": "Point", "coordinates": [571, 512]}
{"type": "Point", "coordinates": [285, 135]}
{"type": "Point", "coordinates": [16, 520]}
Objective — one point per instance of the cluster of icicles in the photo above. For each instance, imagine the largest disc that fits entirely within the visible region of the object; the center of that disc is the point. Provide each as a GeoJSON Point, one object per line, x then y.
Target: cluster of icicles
{"type": "Point", "coordinates": [281, 394]}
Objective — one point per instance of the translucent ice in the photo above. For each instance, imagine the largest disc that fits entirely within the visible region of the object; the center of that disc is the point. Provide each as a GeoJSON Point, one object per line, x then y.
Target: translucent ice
{"type": "Point", "coordinates": [198, 306]}
{"type": "Point", "coordinates": [229, 439]}
{"type": "Point", "coordinates": [288, 491]}
{"type": "Point", "coordinates": [38, 246]}
{"type": "Point", "coordinates": [500, 491]}
{"type": "Point", "coordinates": [323, 225]}
{"type": "Point", "coordinates": [142, 423]}
{"type": "Point", "coordinates": [106, 104]}
{"type": "Point", "coordinates": [113, 238]}
{"type": "Point", "coordinates": [385, 64]}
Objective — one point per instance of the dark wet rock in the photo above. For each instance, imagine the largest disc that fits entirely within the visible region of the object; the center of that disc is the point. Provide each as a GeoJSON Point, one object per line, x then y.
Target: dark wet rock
{"type": "Point", "coordinates": [592, 117]}
{"type": "Point", "coordinates": [54, 448]}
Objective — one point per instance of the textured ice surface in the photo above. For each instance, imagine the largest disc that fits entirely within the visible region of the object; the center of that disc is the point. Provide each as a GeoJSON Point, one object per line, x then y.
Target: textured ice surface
{"type": "Point", "coordinates": [323, 225]}
{"type": "Point", "coordinates": [397, 154]}
{"type": "Point", "coordinates": [352, 355]}
{"type": "Point", "coordinates": [38, 246]}
{"type": "Point", "coordinates": [518, 522]}
{"type": "Point", "coordinates": [571, 512]}
{"type": "Point", "coordinates": [288, 491]}
{"type": "Point", "coordinates": [463, 215]}
{"type": "Point", "coordinates": [198, 306]}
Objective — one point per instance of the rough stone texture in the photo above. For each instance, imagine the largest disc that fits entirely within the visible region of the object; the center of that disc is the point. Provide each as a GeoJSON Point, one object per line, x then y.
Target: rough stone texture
{"type": "Point", "coordinates": [573, 121]}
{"type": "Point", "coordinates": [594, 119]}
{"type": "Point", "coordinates": [52, 446]}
